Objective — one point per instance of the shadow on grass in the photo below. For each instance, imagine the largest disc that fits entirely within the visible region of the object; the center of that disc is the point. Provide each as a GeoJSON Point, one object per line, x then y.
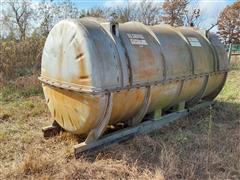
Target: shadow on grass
{"type": "Point", "coordinates": [226, 111]}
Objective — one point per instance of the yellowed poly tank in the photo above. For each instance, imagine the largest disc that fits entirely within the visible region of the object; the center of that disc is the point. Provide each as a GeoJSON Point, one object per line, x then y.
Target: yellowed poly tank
{"type": "Point", "coordinates": [97, 73]}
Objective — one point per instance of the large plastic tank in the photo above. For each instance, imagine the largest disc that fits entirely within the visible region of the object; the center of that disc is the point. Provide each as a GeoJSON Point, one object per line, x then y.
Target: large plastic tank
{"type": "Point", "coordinates": [97, 73]}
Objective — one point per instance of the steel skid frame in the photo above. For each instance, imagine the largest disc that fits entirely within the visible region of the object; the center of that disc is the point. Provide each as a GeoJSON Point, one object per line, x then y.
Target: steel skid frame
{"type": "Point", "coordinates": [155, 122]}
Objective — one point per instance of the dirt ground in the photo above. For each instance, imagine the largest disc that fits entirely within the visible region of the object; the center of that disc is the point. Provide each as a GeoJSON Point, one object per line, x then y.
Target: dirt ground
{"type": "Point", "coordinates": [205, 145]}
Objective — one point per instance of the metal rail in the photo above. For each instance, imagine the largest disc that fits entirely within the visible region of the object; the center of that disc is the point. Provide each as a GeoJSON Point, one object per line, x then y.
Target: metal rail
{"type": "Point", "coordinates": [143, 128]}
{"type": "Point", "coordinates": [93, 90]}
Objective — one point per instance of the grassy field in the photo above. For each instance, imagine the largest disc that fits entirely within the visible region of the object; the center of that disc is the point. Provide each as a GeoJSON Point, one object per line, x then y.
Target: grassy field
{"type": "Point", "coordinates": [205, 145]}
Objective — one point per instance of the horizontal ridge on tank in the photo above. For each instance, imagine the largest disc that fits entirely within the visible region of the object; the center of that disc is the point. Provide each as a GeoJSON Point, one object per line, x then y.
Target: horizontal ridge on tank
{"type": "Point", "coordinates": [97, 73]}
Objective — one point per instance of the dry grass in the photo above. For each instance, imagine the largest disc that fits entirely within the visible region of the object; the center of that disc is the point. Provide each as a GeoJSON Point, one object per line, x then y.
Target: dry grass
{"type": "Point", "coordinates": [22, 87]}
{"type": "Point", "coordinates": [205, 145]}
{"type": "Point", "coordinates": [19, 58]}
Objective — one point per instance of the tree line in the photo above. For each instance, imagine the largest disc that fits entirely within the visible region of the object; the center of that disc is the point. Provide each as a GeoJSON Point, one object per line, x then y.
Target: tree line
{"type": "Point", "coordinates": [27, 18]}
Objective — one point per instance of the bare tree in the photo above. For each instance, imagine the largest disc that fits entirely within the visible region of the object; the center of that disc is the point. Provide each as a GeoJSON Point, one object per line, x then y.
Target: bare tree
{"type": "Point", "coordinates": [67, 9]}
{"type": "Point", "coordinates": [193, 14]}
{"type": "Point", "coordinates": [125, 13]}
{"type": "Point", "coordinates": [146, 11]}
{"type": "Point", "coordinates": [121, 14]}
{"type": "Point", "coordinates": [50, 12]}
{"type": "Point", "coordinates": [174, 11]}
{"type": "Point", "coordinates": [229, 24]}
{"type": "Point", "coordinates": [94, 12]}
{"type": "Point", "coordinates": [192, 17]}
{"type": "Point", "coordinates": [19, 14]}
{"type": "Point", "coordinates": [47, 12]}
{"type": "Point", "coordinates": [8, 30]}
{"type": "Point", "coordinates": [149, 12]}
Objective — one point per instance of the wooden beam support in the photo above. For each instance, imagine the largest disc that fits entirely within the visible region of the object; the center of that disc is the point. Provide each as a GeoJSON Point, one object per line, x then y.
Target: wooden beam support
{"type": "Point", "coordinates": [52, 130]}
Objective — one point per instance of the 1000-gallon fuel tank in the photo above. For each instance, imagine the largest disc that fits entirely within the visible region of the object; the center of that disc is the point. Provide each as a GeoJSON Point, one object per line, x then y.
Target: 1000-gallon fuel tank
{"type": "Point", "coordinates": [97, 73]}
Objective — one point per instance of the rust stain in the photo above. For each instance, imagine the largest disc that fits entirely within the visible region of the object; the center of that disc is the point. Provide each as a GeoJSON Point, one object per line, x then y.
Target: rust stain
{"type": "Point", "coordinates": [126, 104]}
{"type": "Point", "coordinates": [84, 78]}
{"type": "Point", "coordinates": [190, 89]}
{"type": "Point", "coordinates": [79, 112]}
{"type": "Point", "coordinates": [146, 67]}
{"type": "Point", "coordinates": [213, 82]}
{"type": "Point", "coordinates": [79, 55]}
{"type": "Point", "coordinates": [162, 96]}
{"type": "Point", "coordinates": [84, 109]}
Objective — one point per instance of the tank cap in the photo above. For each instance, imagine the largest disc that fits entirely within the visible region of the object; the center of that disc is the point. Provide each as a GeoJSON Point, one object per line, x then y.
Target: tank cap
{"type": "Point", "coordinates": [112, 27]}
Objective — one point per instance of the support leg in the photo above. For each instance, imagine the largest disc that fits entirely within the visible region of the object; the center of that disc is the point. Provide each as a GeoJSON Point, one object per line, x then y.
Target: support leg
{"type": "Point", "coordinates": [52, 130]}
{"type": "Point", "coordinates": [157, 114]}
{"type": "Point", "coordinates": [95, 133]}
{"type": "Point", "coordinates": [181, 106]}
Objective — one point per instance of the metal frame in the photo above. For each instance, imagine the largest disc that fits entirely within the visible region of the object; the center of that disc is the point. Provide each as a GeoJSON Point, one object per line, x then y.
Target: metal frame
{"type": "Point", "coordinates": [93, 90]}
{"type": "Point", "coordinates": [93, 142]}
{"type": "Point", "coordinates": [143, 128]}
{"type": "Point", "coordinates": [95, 133]}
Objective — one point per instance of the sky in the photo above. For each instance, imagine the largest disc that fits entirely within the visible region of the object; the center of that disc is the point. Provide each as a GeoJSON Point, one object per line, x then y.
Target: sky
{"type": "Point", "coordinates": [210, 5]}
{"type": "Point", "coordinates": [210, 9]}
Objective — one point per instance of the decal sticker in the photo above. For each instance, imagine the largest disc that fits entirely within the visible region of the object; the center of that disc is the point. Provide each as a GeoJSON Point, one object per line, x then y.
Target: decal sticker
{"type": "Point", "coordinates": [137, 39]}
{"type": "Point", "coordinates": [194, 41]}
